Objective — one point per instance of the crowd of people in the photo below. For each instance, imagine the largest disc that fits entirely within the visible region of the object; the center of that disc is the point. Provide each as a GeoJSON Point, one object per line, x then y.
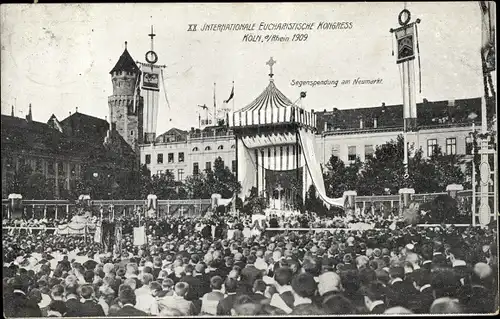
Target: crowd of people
{"type": "Point", "coordinates": [185, 270]}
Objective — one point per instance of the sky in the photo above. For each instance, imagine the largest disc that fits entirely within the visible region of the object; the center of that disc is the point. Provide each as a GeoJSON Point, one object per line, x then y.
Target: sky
{"type": "Point", "coordinates": [58, 57]}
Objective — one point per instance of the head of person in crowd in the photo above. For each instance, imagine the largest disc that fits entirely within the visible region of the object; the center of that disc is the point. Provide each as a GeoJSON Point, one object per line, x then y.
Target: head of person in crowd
{"type": "Point", "coordinates": [338, 305]}
{"type": "Point", "coordinates": [216, 283]}
{"type": "Point", "coordinates": [329, 282]}
{"type": "Point", "coordinates": [398, 311]}
{"type": "Point", "coordinates": [304, 286]}
{"type": "Point", "coordinates": [283, 276]}
{"type": "Point", "coordinates": [127, 296]}
{"type": "Point", "coordinates": [446, 305]}
{"type": "Point", "coordinates": [244, 305]}
{"type": "Point", "coordinates": [230, 285]}
{"type": "Point", "coordinates": [181, 289]}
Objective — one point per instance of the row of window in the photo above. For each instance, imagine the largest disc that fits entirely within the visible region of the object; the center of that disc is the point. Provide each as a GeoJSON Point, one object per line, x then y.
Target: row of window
{"type": "Point", "coordinates": [208, 148]}
{"type": "Point", "coordinates": [208, 167]}
{"type": "Point", "coordinates": [38, 166]}
{"type": "Point", "coordinates": [159, 158]}
{"type": "Point", "coordinates": [432, 144]}
{"type": "Point", "coordinates": [180, 173]}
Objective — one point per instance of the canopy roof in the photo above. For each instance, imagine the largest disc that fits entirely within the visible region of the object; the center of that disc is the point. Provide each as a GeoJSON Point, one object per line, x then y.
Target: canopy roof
{"type": "Point", "coordinates": [272, 107]}
{"type": "Point", "coordinates": [270, 98]}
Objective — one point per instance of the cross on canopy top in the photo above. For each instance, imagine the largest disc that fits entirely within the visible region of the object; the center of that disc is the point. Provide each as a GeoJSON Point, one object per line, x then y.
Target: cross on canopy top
{"type": "Point", "coordinates": [271, 62]}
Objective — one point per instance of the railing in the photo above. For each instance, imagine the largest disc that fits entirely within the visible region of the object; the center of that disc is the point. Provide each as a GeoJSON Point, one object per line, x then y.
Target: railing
{"type": "Point", "coordinates": [66, 208]}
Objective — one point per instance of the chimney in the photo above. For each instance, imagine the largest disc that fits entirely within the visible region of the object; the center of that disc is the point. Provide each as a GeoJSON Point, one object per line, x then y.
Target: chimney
{"type": "Point", "coordinates": [383, 104]}
{"type": "Point", "coordinates": [12, 112]}
{"type": "Point", "coordinates": [425, 100]}
{"type": "Point", "coordinates": [360, 122]}
{"type": "Point", "coordinates": [451, 102]}
{"type": "Point", "coordinates": [76, 110]}
{"type": "Point", "coordinates": [375, 122]}
{"type": "Point", "coordinates": [29, 117]}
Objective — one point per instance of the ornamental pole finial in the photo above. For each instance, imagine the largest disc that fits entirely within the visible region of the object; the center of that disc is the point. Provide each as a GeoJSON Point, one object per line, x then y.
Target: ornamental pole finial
{"type": "Point", "coordinates": [271, 62]}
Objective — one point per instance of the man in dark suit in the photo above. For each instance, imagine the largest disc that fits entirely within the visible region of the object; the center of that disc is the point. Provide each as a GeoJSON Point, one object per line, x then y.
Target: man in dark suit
{"type": "Point", "coordinates": [250, 273]}
{"type": "Point", "coordinates": [304, 289]}
{"type": "Point", "coordinates": [400, 291]}
{"type": "Point", "coordinates": [199, 273]}
{"type": "Point", "coordinates": [225, 305]}
{"type": "Point", "coordinates": [259, 288]}
{"type": "Point", "coordinates": [194, 291]}
{"type": "Point", "coordinates": [89, 308]}
{"type": "Point", "coordinates": [374, 295]}
{"type": "Point", "coordinates": [72, 300]}
{"type": "Point", "coordinates": [423, 298]}
{"type": "Point", "coordinates": [17, 304]}
{"type": "Point", "coordinates": [127, 300]}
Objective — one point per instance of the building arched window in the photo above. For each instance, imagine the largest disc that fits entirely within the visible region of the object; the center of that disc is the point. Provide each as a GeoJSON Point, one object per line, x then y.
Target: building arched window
{"type": "Point", "coordinates": [221, 147]}
{"type": "Point", "coordinates": [208, 148]}
{"type": "Point", "coordinates": [233, 146]}
{"type": "Point", "coordinates": [195, 149]}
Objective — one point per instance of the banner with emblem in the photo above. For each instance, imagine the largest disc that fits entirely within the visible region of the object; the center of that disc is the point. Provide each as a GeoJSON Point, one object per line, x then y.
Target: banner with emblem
{"type": "Point", "coordinates": [405, 38]}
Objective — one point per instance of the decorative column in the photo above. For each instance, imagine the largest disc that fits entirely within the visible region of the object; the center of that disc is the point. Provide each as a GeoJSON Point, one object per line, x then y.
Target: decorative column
{"type": "Point", "coordinates": [405, 197]}
{"type": "Point", "coordinates": [152, 206]}
{"type": "Point", "coordinates": [350, 201]}
{"type": "Point", "coordinates": [15, 206]}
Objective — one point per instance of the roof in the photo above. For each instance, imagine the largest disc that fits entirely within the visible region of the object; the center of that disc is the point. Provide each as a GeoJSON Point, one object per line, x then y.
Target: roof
{"type": "Point", "coordinates": [81, 135]}
{"type": "Point", "coordinates": [270, 98]}
{"type": "Point", "coordinates": [178, 133]}
{"type": "Point", "coordinates": [18, 133]}
{"type": "Point", "coordinates": [84, 126]}
{"type": "Point", "coordinates": [125, 63]}
{"type": "Point", "coordinates": [391, 116]}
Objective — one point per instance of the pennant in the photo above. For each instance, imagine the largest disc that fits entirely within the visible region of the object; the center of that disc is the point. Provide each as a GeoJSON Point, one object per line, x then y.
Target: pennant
{"type": "Point", "coordinates": [230, 96]}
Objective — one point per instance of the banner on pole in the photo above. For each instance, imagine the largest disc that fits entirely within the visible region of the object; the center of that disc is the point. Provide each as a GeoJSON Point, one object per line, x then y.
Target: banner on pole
{"type": "Point", "coordinates": [405, 37]}
{"type": "Point", "coordinates": [139, 236]}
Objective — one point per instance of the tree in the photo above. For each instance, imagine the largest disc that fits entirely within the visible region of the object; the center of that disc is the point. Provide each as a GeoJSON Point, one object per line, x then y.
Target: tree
{"type": "Point", "coordinates": [196, 187]}
{"type": "Point", "coordinates": [313, 203]}
{"type": "Point", "coordinates": [339, 177]}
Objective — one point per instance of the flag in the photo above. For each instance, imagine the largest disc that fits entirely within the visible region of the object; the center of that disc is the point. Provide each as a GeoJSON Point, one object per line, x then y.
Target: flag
{"type": "Point", "coordinates": [230, 95]}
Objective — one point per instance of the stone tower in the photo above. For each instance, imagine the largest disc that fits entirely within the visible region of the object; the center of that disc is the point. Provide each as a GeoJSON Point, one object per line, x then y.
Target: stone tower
{"type": "Point", "coordinates": [126, 105]}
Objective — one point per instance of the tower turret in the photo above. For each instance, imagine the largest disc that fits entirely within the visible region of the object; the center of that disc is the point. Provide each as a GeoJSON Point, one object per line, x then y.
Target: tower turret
{"type": "Point", "coordinates": [126, 104]}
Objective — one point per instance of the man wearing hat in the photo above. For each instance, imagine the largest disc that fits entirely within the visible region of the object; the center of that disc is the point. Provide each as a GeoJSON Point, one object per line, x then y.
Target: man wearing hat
{"type": "Point", "coordinates": [17, 304]}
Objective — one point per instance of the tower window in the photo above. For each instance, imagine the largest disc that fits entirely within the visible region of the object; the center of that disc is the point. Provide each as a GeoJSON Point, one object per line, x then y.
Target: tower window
{"type": "Point", "coordinates": [220, 147]}
{"type": "Point", "coordinates": [159, 158]}
{"type": "Point", "coordinates": [180, 174]}
{"type": "Point", "coordinates": [196, 169]}
{"type": "Point", "coordinates": [208, 166]}
{"type": "Point", "coordinates": [233, 166]}
{"type": "Point", "coordinates": [148, 159]}
{"type": "Point", "coordinates": [131, 133]}
{"type": "Point", "coordinates": [170, 157]}
{"type": "Point", "coordinates": [181, 157]}
{"type": "Point", "coordinates": [208, 148]}
{"type": "Point", "coordinates": [195, 149]}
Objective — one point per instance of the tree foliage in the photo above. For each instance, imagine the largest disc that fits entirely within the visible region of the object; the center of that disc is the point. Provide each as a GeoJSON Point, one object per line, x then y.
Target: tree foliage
{"type": "Point", "coordinates": [385, 170]}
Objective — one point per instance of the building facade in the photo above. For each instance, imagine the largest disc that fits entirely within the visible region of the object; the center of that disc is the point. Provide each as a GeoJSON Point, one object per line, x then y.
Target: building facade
{"type": "Point", "coordinates": [347, 134]}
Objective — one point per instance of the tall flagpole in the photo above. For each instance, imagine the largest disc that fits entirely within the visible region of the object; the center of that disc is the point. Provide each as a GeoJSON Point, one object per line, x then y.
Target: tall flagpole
{"type": "Point", "coordinates": [215, 108]}
{"type": "Point", "coordinates": [233, 97]}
